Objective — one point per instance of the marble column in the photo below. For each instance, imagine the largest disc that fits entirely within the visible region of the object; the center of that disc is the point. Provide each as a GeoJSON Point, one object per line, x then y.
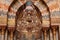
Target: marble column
{"type": "Point", "coordinates": [54, 31]}
{"type": "Point", "coordinates": [6, 34]}
{"type": "Point", "coordinates": [45, 33]}
{"type": "Point", "coordinates": [59, 32]}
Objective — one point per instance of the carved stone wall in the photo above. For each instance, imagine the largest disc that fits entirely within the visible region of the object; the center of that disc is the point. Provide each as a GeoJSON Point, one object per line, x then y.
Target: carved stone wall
{"type": "Point", "coordinates": [8, 9]}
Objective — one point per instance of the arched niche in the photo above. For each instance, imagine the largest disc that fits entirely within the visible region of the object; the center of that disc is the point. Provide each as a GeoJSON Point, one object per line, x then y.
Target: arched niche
{"type": "Point", "coordinates": [28, 22]}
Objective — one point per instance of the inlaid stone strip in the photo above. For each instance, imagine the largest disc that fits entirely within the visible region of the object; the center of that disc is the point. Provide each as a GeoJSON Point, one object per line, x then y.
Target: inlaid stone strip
{"type": "Point", "coordinates": [11, 19]}
{"type": "Point", "coordinates": [3, 18]}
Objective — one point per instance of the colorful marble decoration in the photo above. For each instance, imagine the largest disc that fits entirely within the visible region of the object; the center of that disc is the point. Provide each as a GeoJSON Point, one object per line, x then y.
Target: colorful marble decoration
{"type": "Point", "coordinates": [3, 18]}
{"type": "Point", "coordinates": [11, 20]}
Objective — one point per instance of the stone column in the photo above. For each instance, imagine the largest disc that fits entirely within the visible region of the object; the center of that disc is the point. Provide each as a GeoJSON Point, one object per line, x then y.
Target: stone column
{"type": "Point", "coordinates": [51, 35]}
{"type": "Point", "coordinates": [54, 30]}
{"type": "Point", "coordinates": [11, 31]}
{"type": "Point", "coordinates": [59, 32]}
{"type": "Point", "coordinates": [6, 34]}
{"type": "Point", "coordinates": [45, 29]}
{"type": "Point", "coordinates": [0, 33]}
{"type": "Point", "coordinates": [3, 32]}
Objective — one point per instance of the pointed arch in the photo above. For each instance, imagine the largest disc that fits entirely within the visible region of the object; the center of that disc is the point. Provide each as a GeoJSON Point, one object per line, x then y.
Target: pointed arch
{"type": "Point", "coordinates": [44, 10]}
{"type": "Point", "coordinates": [24, 6]}
{"type": "Point", "coordinates": [47, 10]}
